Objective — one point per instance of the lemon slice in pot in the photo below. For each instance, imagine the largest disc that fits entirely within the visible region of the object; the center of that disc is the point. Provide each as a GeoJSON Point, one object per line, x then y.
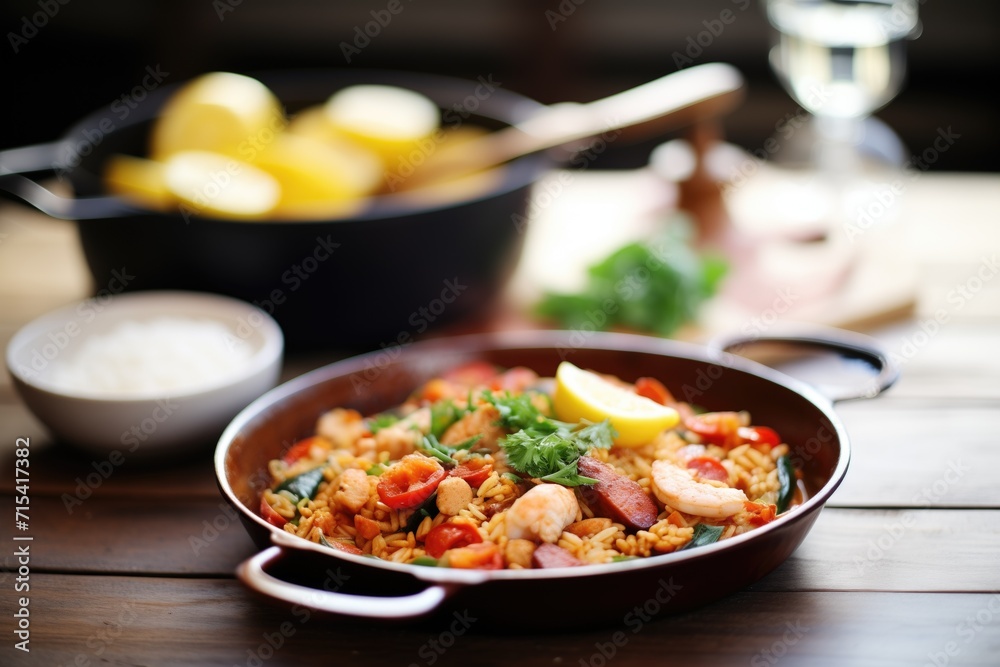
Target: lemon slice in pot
{"type": "Point", "coordinates": [388, 120]}
{"type": "Point", "coordinates": [220, 186]}
{"type": "Point", "coordinates": [138, 180]}
{"type": "Point", "coordinates": [582, 394]}
{"type": "Point", "coordinates": [221, 112]}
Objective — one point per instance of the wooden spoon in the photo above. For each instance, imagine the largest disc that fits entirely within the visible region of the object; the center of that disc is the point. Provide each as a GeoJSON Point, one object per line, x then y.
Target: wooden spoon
{"type": "Point", "coordinates": [674, 100]}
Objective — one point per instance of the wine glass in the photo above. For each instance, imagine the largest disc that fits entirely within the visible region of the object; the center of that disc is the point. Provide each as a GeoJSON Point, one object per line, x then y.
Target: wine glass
{"type": "Point", "coordinates": [841, 60]}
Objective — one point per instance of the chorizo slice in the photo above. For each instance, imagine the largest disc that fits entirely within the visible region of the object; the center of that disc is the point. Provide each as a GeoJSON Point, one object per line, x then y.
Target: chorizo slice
{"type": "Point", "coordinates": [551, 555]}
{"type": "Point", "coordinates": [616, 495]}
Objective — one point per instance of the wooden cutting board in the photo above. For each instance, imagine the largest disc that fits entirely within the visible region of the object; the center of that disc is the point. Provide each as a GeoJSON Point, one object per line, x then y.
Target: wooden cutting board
{"type": "Point", "coordinates": [850, 280]}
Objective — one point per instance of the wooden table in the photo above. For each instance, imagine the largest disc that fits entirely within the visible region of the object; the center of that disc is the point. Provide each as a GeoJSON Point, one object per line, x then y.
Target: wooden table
{"type": "Point", "coordinates": [131, 564]}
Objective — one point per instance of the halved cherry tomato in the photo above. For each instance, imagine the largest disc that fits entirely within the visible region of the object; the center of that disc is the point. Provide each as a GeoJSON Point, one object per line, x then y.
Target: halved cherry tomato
{"type": "Point", "coordinates": [760, 514]}
{"type": "Point", "coordinates": [474, 471]}
{"type": "Point", "coordinates": [472, 374]}
{"type": "Point", "coordinates": [410, 482]}
{"type": "Point", "coordinates": [716, 428]}
{"type": "Point", "coordinates": [709, 467]}
{"type": "Point", "coordinates": [300, 449]}
{"type": "Point", "coordinates": [270, 515]}
{"type": "Point", "coordinates": [654, 390]}
{"type": "Point", "coordinates": [481, 556]}
{"type": "Point", "coordinates": [346, 547]}
{"type": "Point", "coordinates": [759, 435]}
{"type": "Point", "coordinates": [450, 536]}
{"type": "Point", "coordinates": [515, 380]}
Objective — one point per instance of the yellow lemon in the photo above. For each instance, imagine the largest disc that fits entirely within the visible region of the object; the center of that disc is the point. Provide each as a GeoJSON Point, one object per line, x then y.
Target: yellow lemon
{"type": "Point", "coordinates": [138, 180]}
{"type": "Point", "coordinates": [392, 122]}
{"type": "Point", "coordinates": [220, 186]}
{"type": "Point", "coordinates": [318, 174]}
{"type": "Point", "coordinates": [582, 394]}
{"type": "Point", "coordinates": [220, 112]}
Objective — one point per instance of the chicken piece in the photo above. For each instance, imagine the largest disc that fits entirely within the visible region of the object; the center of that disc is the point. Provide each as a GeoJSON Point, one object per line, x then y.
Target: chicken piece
{"type": "Point", "coordinates": [676, 488]}
{"type": "Point", "coordinates": [340, 426]}
{"type": "Point", "coordinates": [402, 437]}
{"type": "Point", "coordinates": [453, 495]}
{"type": "Point", "coordinates": [353, 489]}
{"type": "Point", "coordinates": [589, 527]}
{"type": "Point", "coordinates": [482, 421]}
{"type": "Point", "coordinates": [542, 513]}
{"type": "Point", "coordinates": [518, 552]}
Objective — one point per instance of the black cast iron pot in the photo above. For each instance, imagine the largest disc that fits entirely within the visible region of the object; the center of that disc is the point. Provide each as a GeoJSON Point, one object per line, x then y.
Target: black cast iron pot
{"type": "Point", "coordinates": [383, 275]}
{"type": "Point", "coordinates": [297, 571]}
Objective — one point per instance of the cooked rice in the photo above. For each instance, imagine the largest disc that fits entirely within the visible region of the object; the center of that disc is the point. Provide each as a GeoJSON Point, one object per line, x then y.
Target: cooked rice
{"type": "Point", "coordinates": [750, 468]}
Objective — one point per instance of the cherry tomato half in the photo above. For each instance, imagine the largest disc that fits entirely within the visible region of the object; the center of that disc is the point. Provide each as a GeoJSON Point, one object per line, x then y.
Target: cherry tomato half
{"type": "Point", "coordinates": [270, 515]}
{"type": "Point", "coordinates": [709, 467]}
{"type": "Point", "coordinates": [474, 471]}
{"type": "Point", "coordinates": [450, 536]}
{"type": "Point", "coordinates": [480, 556]}
{"type": "Point", "coordinates": [654, 390]}
{"type": "Point", "coordinates": [410, 482]}
{"type": "Point", "coordinates": [759, 435]}
{"type": "Point", "coordinates": [716, 428]}
{"type": "Point", "coordinates": [300, 449]}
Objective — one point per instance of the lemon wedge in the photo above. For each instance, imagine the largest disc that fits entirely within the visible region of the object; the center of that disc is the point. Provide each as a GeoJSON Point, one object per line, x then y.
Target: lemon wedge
{"type": "Point", "coordinates": [387, 120]}
{"type": "Point", "coordinates": [220, 112]}
{"type": "Point", "coordinates": [138, 180]}
{"type": "Point", "coordinates": [582, 394]}
{"type": "Point", "coordinates": [313, 173]}
{"type": "Point", "coordinates": [221, 186]}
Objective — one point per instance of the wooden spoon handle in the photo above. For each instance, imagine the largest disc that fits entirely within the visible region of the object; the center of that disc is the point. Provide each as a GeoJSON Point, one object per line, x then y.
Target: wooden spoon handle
{"type": "Point", "coordinates": [674, 100]}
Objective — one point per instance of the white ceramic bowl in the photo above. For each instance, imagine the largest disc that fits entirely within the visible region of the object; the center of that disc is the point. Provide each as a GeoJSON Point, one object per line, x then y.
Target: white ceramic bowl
{"type": "Point", "coordinates": [146, 421]}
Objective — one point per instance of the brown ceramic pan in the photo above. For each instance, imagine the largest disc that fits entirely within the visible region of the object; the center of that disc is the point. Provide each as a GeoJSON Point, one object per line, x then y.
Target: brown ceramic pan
{"type": "Point", "coordinates": [296, 571]}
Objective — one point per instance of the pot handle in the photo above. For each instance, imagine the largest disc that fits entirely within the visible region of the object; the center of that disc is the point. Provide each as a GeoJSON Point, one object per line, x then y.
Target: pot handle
{"type": "Point", "coordinates": [845, 343]}
{"type": "Point", "coordinates": [253, 572]}
{"type": "Point", "coordinates": [15, 162]}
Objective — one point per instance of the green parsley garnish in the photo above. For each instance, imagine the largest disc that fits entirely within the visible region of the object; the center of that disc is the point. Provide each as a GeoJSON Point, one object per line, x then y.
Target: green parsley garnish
{"type": "Point", "coordinates": [543, 447]}
{"type": "Point", "coordinates": [381, 421]}
{"type": "Point", "coordinates": [654, 286]}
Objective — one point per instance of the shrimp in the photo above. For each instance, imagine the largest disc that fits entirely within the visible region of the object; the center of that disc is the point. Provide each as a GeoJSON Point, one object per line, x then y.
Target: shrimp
{"type": "Point", "coordinates": [675, 487]}
{"type": "Point", "coordinates": [542, 513]}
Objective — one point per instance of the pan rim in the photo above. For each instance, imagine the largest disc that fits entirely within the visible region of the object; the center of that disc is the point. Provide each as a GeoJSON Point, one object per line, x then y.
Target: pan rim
{"type": "Point", "coordinates": [514, 340]}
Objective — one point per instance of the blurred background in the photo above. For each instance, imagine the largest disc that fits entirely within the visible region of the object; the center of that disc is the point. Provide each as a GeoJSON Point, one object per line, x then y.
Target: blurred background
{"type": "Point", "coordinates": [79, 56]}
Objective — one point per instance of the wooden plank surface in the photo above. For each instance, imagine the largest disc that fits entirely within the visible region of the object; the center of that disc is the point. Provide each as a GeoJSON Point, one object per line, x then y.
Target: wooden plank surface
{"type": "Point", "coordinates": [885, 550]}
{"type": "Point", "coordinates": [156, 621]}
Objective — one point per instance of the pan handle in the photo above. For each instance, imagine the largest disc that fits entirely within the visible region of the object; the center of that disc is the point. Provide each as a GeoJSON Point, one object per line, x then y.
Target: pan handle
{"type": "Point", "coordinates": [253, 572]}
{"type": "Point", "coordinates": [15, 162]}
{"type": "Point", "coordinates": [846, 343]}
